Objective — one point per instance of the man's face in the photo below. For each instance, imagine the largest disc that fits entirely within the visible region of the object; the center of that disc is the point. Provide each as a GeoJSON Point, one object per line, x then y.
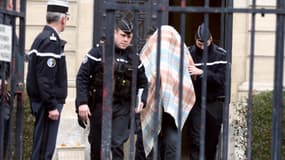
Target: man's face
{"type": "Point", "coordinates": [122, 40]}
{"type": "Point", "coordinates": [64, 21]}
{"type": "Point", "coordinates": [200, 43]}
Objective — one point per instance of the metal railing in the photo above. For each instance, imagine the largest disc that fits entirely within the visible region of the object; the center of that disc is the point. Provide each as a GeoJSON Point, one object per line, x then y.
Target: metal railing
{"type": "Point", "coordinates": [155, 12]}
{"type": "Point", "coordinates": [16, 18]}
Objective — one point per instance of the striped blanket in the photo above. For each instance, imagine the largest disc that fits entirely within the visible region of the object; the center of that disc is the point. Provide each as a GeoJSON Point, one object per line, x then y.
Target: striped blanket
{"type": "Point", "coordinates": [169, 79]}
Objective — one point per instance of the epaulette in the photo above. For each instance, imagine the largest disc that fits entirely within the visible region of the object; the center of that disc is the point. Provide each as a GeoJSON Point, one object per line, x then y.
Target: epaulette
{"type": "Point", "coordinates": [53, 37]}
{"type": "Point", "coordinates": [100, 43]}
{"type": "Point", "coordinates": [96, 51]}
{"type": "Point", "coordinates": [221, 50]}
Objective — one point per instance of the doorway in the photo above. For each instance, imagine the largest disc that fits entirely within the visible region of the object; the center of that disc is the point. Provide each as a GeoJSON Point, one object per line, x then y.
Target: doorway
{"type": "Point", "coordinates": [194, 19]}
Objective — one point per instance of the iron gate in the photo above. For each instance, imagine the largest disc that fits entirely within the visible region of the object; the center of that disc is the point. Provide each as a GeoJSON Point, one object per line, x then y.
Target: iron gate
{"type": "Point", "coordinates": [156, 12]}
{"type": "Point", "coordinates": [11, 143]}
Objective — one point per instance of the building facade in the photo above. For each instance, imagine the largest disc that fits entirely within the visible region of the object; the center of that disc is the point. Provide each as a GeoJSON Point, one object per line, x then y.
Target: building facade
{"type": "Point", "coordinates": [79, 35]}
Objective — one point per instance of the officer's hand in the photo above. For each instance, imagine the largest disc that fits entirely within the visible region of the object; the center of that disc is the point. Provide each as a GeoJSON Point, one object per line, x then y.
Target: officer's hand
{"type": "Point", "coordinates": [193, 70]}
{"type": "Point", "coordinates": [53, 114]}
{"type": "Point", "coordinates": [82, 123]}
{"type": "Point", "coordinates": [139, 108]}
{"type": "Point", "coordinates": [84, 112]}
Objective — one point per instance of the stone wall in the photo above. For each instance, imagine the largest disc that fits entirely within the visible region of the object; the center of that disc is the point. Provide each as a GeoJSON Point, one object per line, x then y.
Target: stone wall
{"type": "Point", "coordinates": [78, 34]}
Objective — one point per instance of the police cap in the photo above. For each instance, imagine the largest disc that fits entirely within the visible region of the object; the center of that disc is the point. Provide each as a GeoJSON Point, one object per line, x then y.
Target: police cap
{"type": "Point", "coordinates": [60, 6]}
{"type": "Point", "coordinates": [125, 25]}
{"type": "Point", "coordinates": [203, 32]}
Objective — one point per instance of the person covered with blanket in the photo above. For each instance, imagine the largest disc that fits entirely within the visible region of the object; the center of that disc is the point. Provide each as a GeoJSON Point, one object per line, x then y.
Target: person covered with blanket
{"type": "Point", "coordinates": [140, 154]}
{"type": "Point", "coordinates": [89, 87]}
{"type": "Point", "coordinates": [215, 93]}
{"type": "Point", "coordinates": [163, 122]}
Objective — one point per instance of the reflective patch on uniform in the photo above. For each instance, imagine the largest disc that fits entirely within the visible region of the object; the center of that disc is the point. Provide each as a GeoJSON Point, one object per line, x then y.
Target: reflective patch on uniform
{"type": "Point", "coordinates": [121, 60]}
{"type": "Point", "coordinates": [85, 59]}
{"type": "Point", "coordinates": [211, 63]}
{"type": "Point", "coordinates": [94, 58]}
{"type": "Point", "coordinates": [52, 37]}
{"type": "Point", "coordinates": [51, 62]}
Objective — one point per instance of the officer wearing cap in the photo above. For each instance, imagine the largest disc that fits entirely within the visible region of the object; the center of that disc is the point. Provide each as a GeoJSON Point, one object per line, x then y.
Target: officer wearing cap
{"type": "Point", "coordinates": [216, 71]}
{"type": "Point", "coordinates": [47, 80]}
{"type": "Point", "coordinates": [89, 84]}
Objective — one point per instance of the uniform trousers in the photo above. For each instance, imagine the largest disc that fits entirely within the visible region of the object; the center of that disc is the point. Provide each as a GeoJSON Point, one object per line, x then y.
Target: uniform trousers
{"type": "Point", "coordinates": [140, 154]}
{"type": "Point", "coordinates": [168, 138]}
{"type": "Point", "coordinates": [45, 132]}
{"type": "Point", "coordinates": [213, 127]}
{"type": "Point", "coordinates": [120, 130]}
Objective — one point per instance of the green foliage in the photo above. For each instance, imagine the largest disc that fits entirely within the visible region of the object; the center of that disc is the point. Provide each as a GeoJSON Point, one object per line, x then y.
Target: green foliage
{"type": "Point", "coordinates": [27, 134]}
{"type": "Point", "coordinates": [262, 126]}
{"type": "Point", "coordinates": [27, 129]}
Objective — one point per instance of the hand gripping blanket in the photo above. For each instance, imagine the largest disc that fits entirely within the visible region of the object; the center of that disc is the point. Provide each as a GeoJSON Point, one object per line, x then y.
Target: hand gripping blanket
{"type": "Point", "coordinates": [169, 80]}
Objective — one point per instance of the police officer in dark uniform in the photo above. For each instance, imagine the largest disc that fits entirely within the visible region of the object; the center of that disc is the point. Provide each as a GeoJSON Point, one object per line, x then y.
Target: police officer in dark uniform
{"type": "Point", "coordinates": [216, 71]}
{"type": "Point", "coordinates": [89, 85]}
{"type": "Point", "coordinates": [47, 80]}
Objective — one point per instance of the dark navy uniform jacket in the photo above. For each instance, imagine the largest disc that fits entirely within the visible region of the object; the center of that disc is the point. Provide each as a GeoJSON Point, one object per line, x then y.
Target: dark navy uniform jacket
{"type": "Point", "coordinates": [216, 71]}
{"type": "Point", "coordinates": [47, 77]}
{"type": "Point", "coordinates": [92, 65]}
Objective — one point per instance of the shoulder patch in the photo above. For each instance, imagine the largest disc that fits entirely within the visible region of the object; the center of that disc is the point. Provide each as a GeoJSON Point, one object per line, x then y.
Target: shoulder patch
{"type": "Point", "coordinates": [51, 62]}
{"type": "Point", "coordinates": [52, 37]}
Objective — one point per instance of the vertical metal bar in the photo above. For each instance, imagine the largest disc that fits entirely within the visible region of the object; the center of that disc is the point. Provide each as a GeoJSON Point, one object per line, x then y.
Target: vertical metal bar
{"type": "Point", "coordinates": [165, 4]}
{"type": "Point", "coordinates": [108, 56]}
{"type": "Point", "coordinates": [222, 29]}
{"type": "Point", "coordinates": [97, 19]}
{"type": "Point", "coordinates": [251, 69]}
{"type": "Point", "coordinates": [222, 44]}
{"type": "Point", "coordinates": [134, 84]}
{"type": "Point", "coordinates": [228, 46]}
{"type": "Point", "coordinates": [2, 126]}
{"type": "Point", "coordinates": [181, 70]}
{"type": "Point", "coordinates": [19, 127]}
{"type": "Point", "coordinates": [204, 87]}
{"type": "Point", "coordinates": [157, 89]}
{"type": "Point", "coordinates": [12, 82]}
{"type": "Point", "coordinates": [147, 21]}
{"type": "Point", "coordinates": [278, 86]}
{"type": "Point", "coordinates": [3, 75]}
{"type": "Point", "coordinates": [19, 85]}
{"type": "Point", "coordinates": [203, 98]}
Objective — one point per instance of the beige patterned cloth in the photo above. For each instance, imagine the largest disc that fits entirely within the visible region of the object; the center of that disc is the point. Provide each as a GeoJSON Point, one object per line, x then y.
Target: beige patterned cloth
{"type": "Point", "coordinates": [169, 79]}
